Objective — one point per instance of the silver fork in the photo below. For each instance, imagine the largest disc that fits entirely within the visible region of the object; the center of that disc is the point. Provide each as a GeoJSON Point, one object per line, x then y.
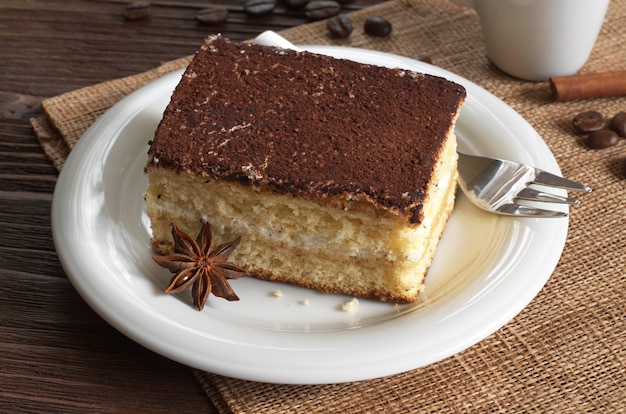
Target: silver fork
{"type": "Point", "coordinates": [502, 187]}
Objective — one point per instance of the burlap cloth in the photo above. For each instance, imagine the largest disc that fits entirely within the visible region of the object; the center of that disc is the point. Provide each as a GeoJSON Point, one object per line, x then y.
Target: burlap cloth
{"type": "Point", "coordinates": [565, 351]}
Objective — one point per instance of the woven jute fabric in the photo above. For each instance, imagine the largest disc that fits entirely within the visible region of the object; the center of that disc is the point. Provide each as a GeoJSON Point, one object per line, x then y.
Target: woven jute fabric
{"type": "Point", "coordinates": [71, 114]}
{"type": "Point", "coordinates": [564, 352]}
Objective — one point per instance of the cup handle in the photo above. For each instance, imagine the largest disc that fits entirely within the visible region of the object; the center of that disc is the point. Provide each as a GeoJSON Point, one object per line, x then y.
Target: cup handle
{"type": "Point", "coordinates": [466, 3]}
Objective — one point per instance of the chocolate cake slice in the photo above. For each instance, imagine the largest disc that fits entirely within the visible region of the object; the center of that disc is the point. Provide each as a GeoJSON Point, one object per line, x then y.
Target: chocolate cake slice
{"type": "Point", "coordinates": [337, 175]}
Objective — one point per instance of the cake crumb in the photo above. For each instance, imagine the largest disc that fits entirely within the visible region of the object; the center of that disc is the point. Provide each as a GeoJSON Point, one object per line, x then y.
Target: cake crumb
{"type": "Point", "coordinates": [350, 305]}
{"type": "Point", "coordinates": [278, 293]}
{"type": "Point", "coordinates": [305, 302]}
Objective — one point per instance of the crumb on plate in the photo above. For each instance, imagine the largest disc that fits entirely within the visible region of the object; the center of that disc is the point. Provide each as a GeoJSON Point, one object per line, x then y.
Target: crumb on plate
{"type": "Point", "coordinates": [350, 305]}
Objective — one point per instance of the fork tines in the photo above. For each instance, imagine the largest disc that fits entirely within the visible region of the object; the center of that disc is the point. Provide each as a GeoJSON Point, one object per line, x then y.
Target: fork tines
{"type": "Point", "coordinates": [551, 180]}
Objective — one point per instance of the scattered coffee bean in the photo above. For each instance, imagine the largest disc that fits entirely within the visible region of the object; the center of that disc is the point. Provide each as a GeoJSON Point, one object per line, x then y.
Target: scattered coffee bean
{"type": "Point", "coordinates": [320, 9]}
{"type": "Point", "coordinates": [339, 26]}
{"type": "Point", "coordinates": [137, 11]}
{"type": "Point", "coordinates": [424, 58]}
{"type": "Point", "coordinates": [588, 121]}
{"type": "Point", "coordinates": [296, 3]}
{"type": "Point", "coordinates": [618, 124]}
{"type": "Point", "coordinates": [212, 15]}
{"type": "Point", "coordinates": [377, 26]}
{"type": "Point", "coordinates": [601, 139]}
{"type": "Point", "coordinates": [259, 7]}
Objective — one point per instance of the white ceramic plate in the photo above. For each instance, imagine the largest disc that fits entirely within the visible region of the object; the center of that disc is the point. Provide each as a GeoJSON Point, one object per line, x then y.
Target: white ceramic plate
{"type": "Point", "coordinates": [486, 270]}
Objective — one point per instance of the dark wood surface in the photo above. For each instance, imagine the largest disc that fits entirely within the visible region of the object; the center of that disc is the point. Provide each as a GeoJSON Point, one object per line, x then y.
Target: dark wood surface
{"type": "Point", "coordinates": [56, 354]}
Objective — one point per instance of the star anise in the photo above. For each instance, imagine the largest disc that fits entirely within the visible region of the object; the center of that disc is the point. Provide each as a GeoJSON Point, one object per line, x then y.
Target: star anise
{"type": "Point", "coordinates": [198, 263]}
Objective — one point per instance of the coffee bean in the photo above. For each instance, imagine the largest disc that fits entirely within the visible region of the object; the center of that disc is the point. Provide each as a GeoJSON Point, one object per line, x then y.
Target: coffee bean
{"type": "Point", "coordinates": [424, 58]}
{"type": "Point", "coordinates": [259, 7]}
{"type": "Point", "coordinates": [601, 139]}
{"type": "Point", "coordinates": [296, 3]}
{"type": "Point", "coordinates": [618, 124]}
{"type": "Point", "coordinates": [212, 15]}
{"type": "Point", "coordinates": [339, 26]}
{"type": "Point", "coordinates": [377, 26]}
{"type": "Point", "coordinates": [320, 9]}
{"type": "Point", "coordinates": [588, 121]}
{"type": "Point", "coordinates": [137, 11]}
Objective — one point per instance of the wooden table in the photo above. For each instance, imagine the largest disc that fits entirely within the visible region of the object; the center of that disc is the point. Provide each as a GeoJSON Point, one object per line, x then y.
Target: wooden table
{"type": "Point", "coordinates": [56, 354]}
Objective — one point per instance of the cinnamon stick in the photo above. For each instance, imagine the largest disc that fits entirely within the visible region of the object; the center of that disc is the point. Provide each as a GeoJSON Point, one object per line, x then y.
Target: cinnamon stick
{"type": "Point", "coordinates": [592, 85]}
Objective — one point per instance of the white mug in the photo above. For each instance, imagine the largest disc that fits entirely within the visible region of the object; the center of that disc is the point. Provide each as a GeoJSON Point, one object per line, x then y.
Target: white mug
{"type": "Point", "coordinates": [539, 39]}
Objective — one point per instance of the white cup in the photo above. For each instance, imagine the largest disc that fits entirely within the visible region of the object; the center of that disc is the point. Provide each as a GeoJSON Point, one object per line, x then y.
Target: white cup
{"type": "Point", "coordinates": [538, 39]}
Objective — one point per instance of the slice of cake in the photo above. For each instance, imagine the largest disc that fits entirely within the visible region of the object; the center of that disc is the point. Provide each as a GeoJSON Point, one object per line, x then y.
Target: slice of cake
{"type": "Point", "coordinates": [336, 175]}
